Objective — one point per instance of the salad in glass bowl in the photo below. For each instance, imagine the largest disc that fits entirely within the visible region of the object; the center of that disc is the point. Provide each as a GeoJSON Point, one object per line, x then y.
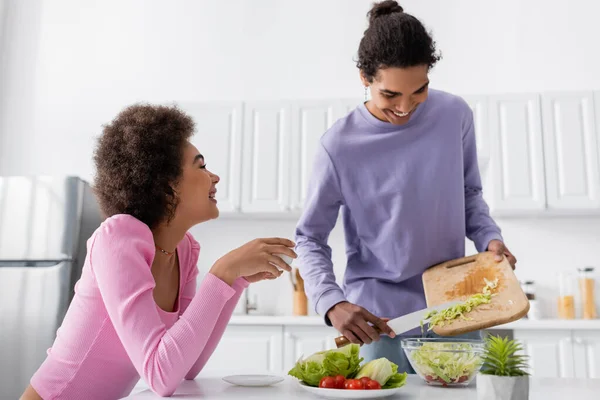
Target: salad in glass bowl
{"type": "Point", "coordinates": [444, 361]}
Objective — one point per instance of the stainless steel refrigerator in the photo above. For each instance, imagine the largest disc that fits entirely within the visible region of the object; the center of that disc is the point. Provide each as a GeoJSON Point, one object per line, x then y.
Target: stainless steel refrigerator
{"type": "Point", "coordinates": [44, 225]}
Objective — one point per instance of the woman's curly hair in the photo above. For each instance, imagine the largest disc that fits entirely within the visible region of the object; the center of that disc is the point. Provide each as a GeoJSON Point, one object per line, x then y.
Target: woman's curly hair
{"type": "Point", "coordinates": [394, 39]}
{"type": "Point", "coordinates": [138, 162]}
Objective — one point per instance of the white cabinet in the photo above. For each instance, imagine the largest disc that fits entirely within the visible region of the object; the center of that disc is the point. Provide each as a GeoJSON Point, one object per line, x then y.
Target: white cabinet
{"type": "Point", "coordinates": [562, 353]}
{"type": "Point", "coordinates": [251, 348]}
{"type": "Point", "coordinates": [310, 120]}
{"type": "Point", "coordinates": [571, 151]}
{"type": "Point", "coordinates": [550, 352]}
{"type": "Point", "coordinates": [538, 154]}
{"type": "Point", "coordinates": [479, 107]}
{"type": "Point", "coordinates": [348, 105]}
{"type": "Point", "coordinates": [516, 155]}
{"type": "Point", "coordinates": [266, 157]}
{"type": "Point", "coordinates": [555, 352]}
{"type": "Point", "coordinates": [586, 353]}
{"type": "Point", "coordinates": [302, 341]}
{"type": "Point", "coordinates": [218, 137]}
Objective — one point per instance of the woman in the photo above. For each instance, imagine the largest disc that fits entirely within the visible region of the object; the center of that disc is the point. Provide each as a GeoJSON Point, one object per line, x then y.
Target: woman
{"type": "Point", "coordinates": [136, 312]}
{"type": "Point", "coordinates": [404, 166]}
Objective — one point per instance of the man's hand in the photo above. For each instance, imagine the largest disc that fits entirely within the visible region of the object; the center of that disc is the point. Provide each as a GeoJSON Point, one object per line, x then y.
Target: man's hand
{"type": "Point", "coordinates": [352, 321]}
{"type": "Point", "coordinates": [500, 249]}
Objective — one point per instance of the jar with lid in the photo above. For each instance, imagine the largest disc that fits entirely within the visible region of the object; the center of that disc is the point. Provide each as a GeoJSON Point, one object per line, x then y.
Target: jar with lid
{"type": "Point", "coordinates": [529, 290]}
{"type": "Point", "coordinates": [586, 288]}
{"type": "Point", "coordinates": [566, 296]}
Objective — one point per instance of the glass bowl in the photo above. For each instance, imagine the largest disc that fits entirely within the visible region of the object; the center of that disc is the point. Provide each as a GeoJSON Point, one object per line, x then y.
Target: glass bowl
{"type": "Point", "coordinates": [444, 361]}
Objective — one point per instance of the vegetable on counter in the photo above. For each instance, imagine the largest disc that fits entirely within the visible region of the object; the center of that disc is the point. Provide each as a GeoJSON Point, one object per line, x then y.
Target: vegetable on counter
{"type": "Point", "coordinates": [344, 361]}
{"type": "Point", "coordinates": [446, 363]}
{"type": "Point", "coordinates": [439, 318]}
{"type": "Point", "coordinates": [340, 369]}
{"type": "Point", "coordinates": [383, 371]}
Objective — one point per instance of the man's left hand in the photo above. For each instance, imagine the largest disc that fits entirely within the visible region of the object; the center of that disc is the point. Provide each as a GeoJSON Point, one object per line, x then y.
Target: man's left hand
{"type": "Point", "coordinates": [500, 249]}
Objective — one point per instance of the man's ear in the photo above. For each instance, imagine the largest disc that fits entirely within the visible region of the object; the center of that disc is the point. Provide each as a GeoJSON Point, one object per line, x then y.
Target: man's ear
{"type": "Point", "coordinates": [363, 79]}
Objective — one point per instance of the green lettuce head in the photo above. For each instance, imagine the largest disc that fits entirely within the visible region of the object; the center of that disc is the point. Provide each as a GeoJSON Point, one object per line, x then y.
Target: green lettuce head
{"type": "Point", "coordinates": [343, 361]}
{"type": "Point", "coordinates": [383, 371]}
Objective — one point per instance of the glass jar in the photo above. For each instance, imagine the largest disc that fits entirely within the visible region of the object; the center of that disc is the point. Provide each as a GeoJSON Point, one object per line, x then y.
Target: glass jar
{"type": "Point", "coordinates": [586, 289]}
{"type": "Point", "coordinates": [566, 296]}
{"type": "Point", "coordinates": [529, 290]}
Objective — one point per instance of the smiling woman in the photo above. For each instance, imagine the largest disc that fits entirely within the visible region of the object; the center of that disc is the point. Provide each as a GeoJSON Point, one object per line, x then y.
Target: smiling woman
{"type": "Point", "coordinates": [136, 310]}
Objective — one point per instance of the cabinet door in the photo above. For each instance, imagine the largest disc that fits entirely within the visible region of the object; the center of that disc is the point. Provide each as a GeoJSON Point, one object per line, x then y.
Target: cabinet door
{"type": "Point", "coordinates": [550, 352]}
{"type": "Point", "coordinates": [571, 151]}
{"type": "Point", "coordinates": [348, 105]}
{"type": "Point", "coordinates": [302, 341]}
{"type": "Point", "coordinates": [310, 120]}
{"type": "Point", "coordinates": [516, 155]}
{"type": "Point", "coordinates": [248, 348]}
{"type": "Point", "coordinates": [218, 137]}
{"type": "Point", "coordinates": [266, 157]}
{"type": "Point", "coordinates": [479, 106]}
{"type": "Point", "coordinates": [586, 354]}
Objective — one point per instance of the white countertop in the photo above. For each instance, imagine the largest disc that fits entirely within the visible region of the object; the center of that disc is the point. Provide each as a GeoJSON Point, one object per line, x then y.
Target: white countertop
{"type": "Point", "coordinates": [549, 324]}
{"type": "Point", "coordinates": [213, 387]}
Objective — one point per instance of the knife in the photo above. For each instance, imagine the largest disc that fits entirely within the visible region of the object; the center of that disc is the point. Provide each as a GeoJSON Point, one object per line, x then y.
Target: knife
{"type": "Point", "coordinates": [404, 323]}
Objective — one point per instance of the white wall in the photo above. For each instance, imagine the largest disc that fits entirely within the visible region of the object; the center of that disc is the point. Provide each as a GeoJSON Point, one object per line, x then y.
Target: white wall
{"type": "Point", "coordinates": [68, 66]}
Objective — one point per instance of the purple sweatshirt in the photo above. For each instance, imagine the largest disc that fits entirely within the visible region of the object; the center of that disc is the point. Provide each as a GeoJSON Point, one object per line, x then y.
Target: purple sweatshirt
{"type": "Point", "coordinates": [409, 196]}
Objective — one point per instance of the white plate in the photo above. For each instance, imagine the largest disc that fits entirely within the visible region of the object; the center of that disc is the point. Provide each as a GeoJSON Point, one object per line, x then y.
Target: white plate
{"type": "Point", "coordinates": [253, 380]}
{"type": "Point", "coordinates": [349, 394]}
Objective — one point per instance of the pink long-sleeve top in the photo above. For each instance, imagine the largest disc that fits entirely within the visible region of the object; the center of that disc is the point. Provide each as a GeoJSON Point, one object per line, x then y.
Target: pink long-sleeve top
{"type": "Point", "coordinates": [114, 333]}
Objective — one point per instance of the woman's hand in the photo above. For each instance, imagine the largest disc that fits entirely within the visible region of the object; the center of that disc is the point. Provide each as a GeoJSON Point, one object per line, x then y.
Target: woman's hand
{"type": "Point", "coordinates": [255, 260]}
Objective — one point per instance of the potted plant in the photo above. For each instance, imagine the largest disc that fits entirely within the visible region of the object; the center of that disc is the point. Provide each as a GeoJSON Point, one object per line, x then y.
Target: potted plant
{"type": "Point", "coordinates": [503, 374]}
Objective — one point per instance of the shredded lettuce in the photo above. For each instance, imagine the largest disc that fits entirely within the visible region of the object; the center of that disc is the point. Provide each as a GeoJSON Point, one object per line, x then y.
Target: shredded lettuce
{"type": "Point", "coordinates": [343, 361]}
{"type": "Point", "coordinates": [452, 362]}
{"type": "Point", "coordinates": [383, 371]}
{"type": "Point", "coordinates": [439, 318]}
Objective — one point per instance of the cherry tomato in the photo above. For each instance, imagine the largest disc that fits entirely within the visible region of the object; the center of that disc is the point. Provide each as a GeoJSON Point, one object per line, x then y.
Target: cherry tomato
{"type": "Point", "coordinates": [365, 380]}
{"type": "Point", "coordinates": [354, 384]}
{"type": "Point", "coordinates": [340, 381]}
{"type": "Point", "coordinates": [327, 382]}
{"type": "Point", "coordinates": [463, 378]}
{"type": "Point", "coordinates": [373, 385]}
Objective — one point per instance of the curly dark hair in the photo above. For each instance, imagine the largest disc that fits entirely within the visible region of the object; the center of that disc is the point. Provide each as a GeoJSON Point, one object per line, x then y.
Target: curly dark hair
{"type": "Point", "coordinates": [139, 161]}
{"type": "Point", "coordinates": [394, 39]}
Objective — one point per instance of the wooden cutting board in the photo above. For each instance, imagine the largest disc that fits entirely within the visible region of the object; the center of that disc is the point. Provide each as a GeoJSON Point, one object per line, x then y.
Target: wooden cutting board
{"type": "Point", "coordinates": [458, 279]}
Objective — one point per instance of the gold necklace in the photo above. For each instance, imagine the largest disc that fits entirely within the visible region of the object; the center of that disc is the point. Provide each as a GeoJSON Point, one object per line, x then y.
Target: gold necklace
{"type": "Point", "coordinates": [168, 253]}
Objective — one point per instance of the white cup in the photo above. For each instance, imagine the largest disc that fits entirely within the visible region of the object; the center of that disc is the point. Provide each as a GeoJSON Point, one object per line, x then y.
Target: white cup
{"type": "Point", "coordinates": [288, 260]}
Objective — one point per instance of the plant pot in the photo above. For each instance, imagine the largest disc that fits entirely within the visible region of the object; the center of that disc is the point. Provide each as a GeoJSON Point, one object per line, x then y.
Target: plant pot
{"type": "Point", "coordinates": [492, 387]}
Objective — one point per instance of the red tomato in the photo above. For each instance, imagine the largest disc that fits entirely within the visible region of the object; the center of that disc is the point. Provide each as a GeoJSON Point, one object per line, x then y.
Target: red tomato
{"type": "Point", "coordinates": [463, 378]}
{"type": "Point", "coordinates": [327, 382]}
{"type": "Point", "coordinates": [365, 380]}
{"type": "Point", "coordinates": [340, 381]}
{"type": "Point", "coordinates": [354, 384]}
{"type": "Point", "coordinates": [373, 385]}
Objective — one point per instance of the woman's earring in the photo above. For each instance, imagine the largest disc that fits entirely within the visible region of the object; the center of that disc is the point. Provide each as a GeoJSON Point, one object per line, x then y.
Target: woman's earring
{"type": "Point", "coordinates": [366, 93]}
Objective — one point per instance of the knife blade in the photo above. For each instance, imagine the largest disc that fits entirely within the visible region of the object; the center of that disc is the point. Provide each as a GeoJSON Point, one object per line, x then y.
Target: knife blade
{"type": "Point", "coordinates": [404, 323]}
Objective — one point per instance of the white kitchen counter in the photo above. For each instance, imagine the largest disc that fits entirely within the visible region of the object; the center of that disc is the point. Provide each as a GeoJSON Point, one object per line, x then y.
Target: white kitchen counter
{"type": "Point", "coordinates": [290, 320]}
{"type": "Point", "coordinates": [213, 387]}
